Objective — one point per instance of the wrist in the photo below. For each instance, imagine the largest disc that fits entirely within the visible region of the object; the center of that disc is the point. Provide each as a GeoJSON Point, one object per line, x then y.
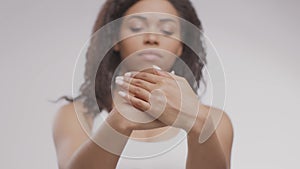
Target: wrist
{"type": "Point", "coordinates": [111, 137]}
{"type": "Point", "coordinates": [118, 123]}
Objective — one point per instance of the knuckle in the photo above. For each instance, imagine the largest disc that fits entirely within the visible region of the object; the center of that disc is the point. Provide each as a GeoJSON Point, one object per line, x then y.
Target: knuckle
{"type": "Point", "coordinates": [137, 91]}
{"type": "Point", "coordinates": [162, 82]}
{"type": "Point", "coordinates": [148, 97]}
{"type": "Point", "coordinates": [138, 82]}
{"type": "Point", "coordinates": [139, 103]}
{"type": "Point", "coordinates": [157, 86]}
{"type": "Point", "coordinates": [144, 75]}
{"type": "Point", "coordinates": [158, 98]}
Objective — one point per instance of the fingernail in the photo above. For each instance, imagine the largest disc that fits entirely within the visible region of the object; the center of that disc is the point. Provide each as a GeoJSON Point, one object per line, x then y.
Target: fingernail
{"type": "Point", "coordinates": [122, 94]}
{"type": "Point", "coordinates": [128, 74]}
{"type": "Point", "coordinates": [173, 72]}
{"type": "Point", "coordinates": [156, 67]}
{"type": "Point", "coordinates": [119, 78]}
{"type": "Point", "coordinates": [119, 81]}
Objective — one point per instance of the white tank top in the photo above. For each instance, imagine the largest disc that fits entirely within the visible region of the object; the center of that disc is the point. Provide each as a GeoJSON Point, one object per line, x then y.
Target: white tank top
{"type": "Point", "coordinates": [168, 154]}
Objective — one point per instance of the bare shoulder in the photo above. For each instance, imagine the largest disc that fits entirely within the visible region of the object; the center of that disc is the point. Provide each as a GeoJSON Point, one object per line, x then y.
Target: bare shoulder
{"type": "Point", "coordinates": [68, 131]}
{"type": "Point", "coordinates": [224, 131]}
{"type": "Point", "coordinates": [71, 115]}
{"type": "Point", "coordinates": [225, 120]}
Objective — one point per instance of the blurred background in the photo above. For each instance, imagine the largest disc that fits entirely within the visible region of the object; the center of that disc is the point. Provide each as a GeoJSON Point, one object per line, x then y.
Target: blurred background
{"type": "Point", "coordinates": [257, 40]}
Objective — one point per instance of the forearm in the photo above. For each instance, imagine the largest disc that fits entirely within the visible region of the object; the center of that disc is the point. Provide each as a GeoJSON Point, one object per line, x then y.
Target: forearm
{"type": "Point", "coordinates": [207, 155]}
{"type": "Point", "coordinates": [91, 156]}
{"type": "Point", "coordinates": [102, 151]}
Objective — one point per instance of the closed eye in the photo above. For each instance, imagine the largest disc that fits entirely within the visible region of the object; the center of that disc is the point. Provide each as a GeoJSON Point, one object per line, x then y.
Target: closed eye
{"type": "Point", "coordinates": [167, 32]}
{"type": "Point", "coordinates": [136, 29]}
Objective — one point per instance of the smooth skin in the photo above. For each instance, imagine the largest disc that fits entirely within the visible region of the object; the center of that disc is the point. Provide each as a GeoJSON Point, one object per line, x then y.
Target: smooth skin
{"type": "Point", "coordinates": [75, 149]}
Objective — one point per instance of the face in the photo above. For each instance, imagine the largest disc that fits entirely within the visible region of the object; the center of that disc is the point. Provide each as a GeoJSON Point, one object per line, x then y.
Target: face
{"type": "Point", "coordinates": [150, 38]}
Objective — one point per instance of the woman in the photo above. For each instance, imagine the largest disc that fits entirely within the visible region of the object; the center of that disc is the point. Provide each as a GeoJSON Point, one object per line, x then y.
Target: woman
{"type": "Point", "coordinates": [76, 149]}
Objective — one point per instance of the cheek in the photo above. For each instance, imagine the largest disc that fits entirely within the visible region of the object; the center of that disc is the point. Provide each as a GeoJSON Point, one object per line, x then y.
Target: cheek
{"type": "Point", "coordinates": [174, 47]}
{"type": "Point", "coordinates": [129, 46]}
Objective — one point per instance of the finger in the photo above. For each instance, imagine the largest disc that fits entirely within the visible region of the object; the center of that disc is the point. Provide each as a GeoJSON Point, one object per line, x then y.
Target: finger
{"type": "Point", "coordinates": [136, 91]}
{"type": "Point", "coordinates": [170, 75]}
{"type": "Point", "coordinates": [157, 71]}
{"type": "Point", "coordinates": [152, 78]}
{"type": "Point", "coordinates": [150, 75]}
{"type": "Point", "coordinates": [140, 83]}
{"type": "Point", "coordinates": [165, 74]}
{"type": "Point", "coordinates": [158, 99]}
{"type": "Point", "coordinates": [135, 102]}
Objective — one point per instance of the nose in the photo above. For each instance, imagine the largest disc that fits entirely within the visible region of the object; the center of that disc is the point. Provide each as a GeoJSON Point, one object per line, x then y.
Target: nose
{"type": "Point", "coordinates": [151, 39]}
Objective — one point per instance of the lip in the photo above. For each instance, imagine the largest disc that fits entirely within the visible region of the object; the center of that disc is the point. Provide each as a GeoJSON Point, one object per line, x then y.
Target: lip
{"type": "Point", "coordinates": [150, 55]}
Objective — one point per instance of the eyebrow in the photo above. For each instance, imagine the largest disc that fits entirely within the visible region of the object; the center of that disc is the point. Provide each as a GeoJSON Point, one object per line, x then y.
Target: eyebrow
{"type": "Point", "coordinates": [167, 20]}
{"type": "Point", "coordinates": [145, 19]}
{"type": "Point", "coordinates": [138, 17]}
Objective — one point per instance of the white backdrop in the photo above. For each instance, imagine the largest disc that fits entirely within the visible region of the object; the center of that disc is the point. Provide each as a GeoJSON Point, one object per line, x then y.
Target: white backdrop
{"type": "Point", "coordinates": [257, 41]}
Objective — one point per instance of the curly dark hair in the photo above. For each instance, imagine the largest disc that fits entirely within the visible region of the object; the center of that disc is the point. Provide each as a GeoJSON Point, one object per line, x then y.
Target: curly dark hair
{"type": "Point", "coordinates": [111, 11]}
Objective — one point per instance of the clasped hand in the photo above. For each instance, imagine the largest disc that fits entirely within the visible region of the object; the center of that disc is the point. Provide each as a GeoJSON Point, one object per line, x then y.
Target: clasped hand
{"type": "Point", "coordinates": [163, 95]}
